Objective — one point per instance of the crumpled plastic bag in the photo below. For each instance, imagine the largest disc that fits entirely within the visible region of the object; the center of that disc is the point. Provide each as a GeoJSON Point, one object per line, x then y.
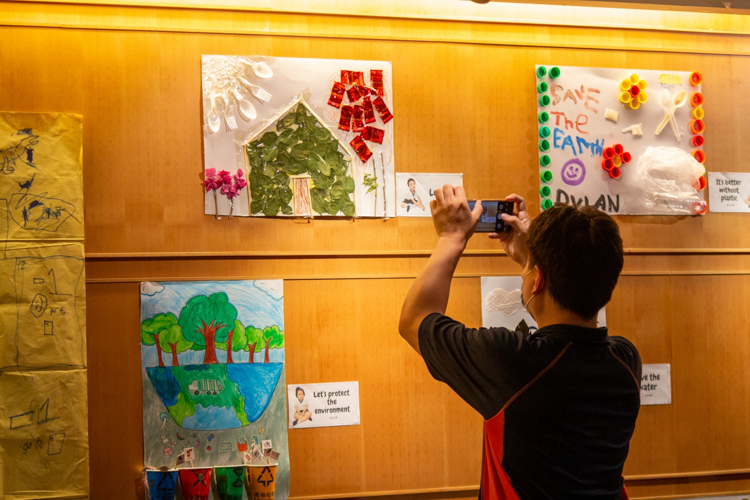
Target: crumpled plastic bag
{"type": "Point", "coordinates": [669, 178]}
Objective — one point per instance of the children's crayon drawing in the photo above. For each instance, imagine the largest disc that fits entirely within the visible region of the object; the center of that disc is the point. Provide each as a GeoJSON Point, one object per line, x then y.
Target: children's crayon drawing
{"type": "Point", "coordinates": [213, 373]}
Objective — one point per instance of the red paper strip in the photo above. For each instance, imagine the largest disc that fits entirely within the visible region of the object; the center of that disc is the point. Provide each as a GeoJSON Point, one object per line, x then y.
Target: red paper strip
{"type": "Point", "coordinates": [337, 95]}
{"type": "Point", "coordinates": [361, 148]}
{"type": "Point", "coordinates": [369, 111]}
{"type": "Point", "coordinates": [345, 118]}
{"type": "Point", "coordinates": [355, 93]}
{"type": "Point", "coordinates": [352, 77]}
{"type": "Point", "coordinates": [358, 124]}
{"type": "Point", "coordinates": [373, 134]}
{"type": "Point", "coordinates": [382, 110]}
{"type": "Point", "coordinates": [376, 79]}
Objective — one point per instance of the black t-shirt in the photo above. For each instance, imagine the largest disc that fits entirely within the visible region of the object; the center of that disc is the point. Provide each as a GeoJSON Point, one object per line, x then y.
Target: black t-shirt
{"type": "Point", "coordinates": [568, 397]}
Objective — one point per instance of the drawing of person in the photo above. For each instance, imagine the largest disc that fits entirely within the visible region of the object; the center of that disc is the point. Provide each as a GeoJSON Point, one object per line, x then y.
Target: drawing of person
{"type": "Point", "coordinates": [302, 414]}
{"type": "Point", "coordinates": [412, 198]}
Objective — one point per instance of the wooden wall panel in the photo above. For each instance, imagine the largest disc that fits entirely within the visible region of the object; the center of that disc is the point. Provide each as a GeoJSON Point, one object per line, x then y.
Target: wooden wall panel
{"type": "Point", "coordinates": [459, 107]}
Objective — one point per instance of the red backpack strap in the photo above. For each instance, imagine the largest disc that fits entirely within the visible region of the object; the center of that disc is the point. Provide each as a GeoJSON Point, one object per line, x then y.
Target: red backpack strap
{"type": "Point", "coordinates": [624, 493]}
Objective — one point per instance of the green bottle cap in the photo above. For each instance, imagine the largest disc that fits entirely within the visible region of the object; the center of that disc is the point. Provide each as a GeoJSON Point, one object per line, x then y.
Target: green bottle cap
{"type": "Point", "coordinates": [547, 204]}
{"type": "Point", "coordinates": [544, 145]}
{"type": "Point", "coordinates": [542, 87]}
{"type": "Point", "coordinates": [541, 72]}
{"type": "Point", "coordinates": [554, 72]}
{"type": "Point", "coordinates": [544, 160]}
{"type": "Point", "coordinates": [546, 176]}
{"type": "Point", "coordinates": [544, 100]}
{"type": "Point", "coordinates": [543, 117]}
{"type": "Point", "coordinates": [545, 191]}
{"type": "Point", "coordinates": [544, 132]}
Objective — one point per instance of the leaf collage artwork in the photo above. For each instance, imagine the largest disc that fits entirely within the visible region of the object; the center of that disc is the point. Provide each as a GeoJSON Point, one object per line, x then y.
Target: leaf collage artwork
{"type": "Point", "coordinates": [299, 146]}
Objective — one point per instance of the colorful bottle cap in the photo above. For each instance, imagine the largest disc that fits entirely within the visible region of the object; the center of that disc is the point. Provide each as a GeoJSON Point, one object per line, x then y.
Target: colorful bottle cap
{"type": "Point", "coordinates": [634, 104]}
{"type": "Point", "coordinates": [702, 183]}
{"type": "Point", "coordinates": [544, 160]}
{"type": "Point", "coordinates": [634, 91]}
{"type": "Point", "coordinates": [608, 153]}
{"type": "Point", "coordinates": [615, 173]}
{"type": "Point", "coordinates": [545, 191]}
{"type": "Point", "coordinates": [634, 79]}
{"type": "Point", "coordinates": [699, 155]}
{"type": "Point", "coordinates": [625, 84]}
{"type": "Point", "coordinates": [625, 97]}
{"type": "Point", "coordinates": [547, 204]}
{"type": "Point", "coordinates": [696, 78]}
{"type": "Point", "coordinates": [696, 99]}
{"type": "Point", "coordinates": [544, 100]}
{"type": "Point", "coordinates": [642, 97]}
{"type": "Point", "coordinates": [697, 141]}
{"type": "Point", "coordinates": [543, 117]}
{"type": "Point", "coordinates": [698, 113]}
{"type": "Point", "coordinates": [626, 157]}
{"type": "Point", "coordinates": [642, 84]}
{"type": "Point", "coordinates": [608, 165]}
{"type": "Point", "coordinates": [700, 207]}
{"type": "Point", "coordinates": [546, 176]}
{"type": "Point", "coordinates": [554, 72]}
{"type": "Point", "coordinates": [544, 132]}
{"type": "Point", "coordinates": [617, 161]}
{"type": "Point", "coordinates": [544, 145]}
{"type": "Point", "coordinates": [618, 149]}
{"type": "Point", "coordinates": [541, 72]}
{"type": "Point", "coordinates": [542, 87]}
{"type": "Point", "coordinates": [697, 126]}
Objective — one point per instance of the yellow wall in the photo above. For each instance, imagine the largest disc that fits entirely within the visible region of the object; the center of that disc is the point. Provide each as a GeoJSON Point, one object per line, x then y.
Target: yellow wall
{"type": "Point", "coordinates": [133, 72]}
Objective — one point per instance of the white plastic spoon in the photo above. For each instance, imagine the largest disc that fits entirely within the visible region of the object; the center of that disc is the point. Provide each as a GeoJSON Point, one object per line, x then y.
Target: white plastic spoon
{"type": "Point", "coordinates": [214, 122]}
{"type": "Point", "coordinates": [261, 69]}
{"type": "Point", "coordinates": [247, 110]}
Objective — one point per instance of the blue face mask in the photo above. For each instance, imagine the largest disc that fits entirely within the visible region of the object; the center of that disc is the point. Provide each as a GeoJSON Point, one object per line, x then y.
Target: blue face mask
{"type": "Point", "coordinates": [525, 305]}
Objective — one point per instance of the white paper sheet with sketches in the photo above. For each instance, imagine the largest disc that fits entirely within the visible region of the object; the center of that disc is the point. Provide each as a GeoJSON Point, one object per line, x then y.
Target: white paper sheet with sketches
{"type": "Point", "coordinates": [414, 191]}
{"type": "Point", "coordinates": [501, 304]}
{"type": "Point", "coordinates": [292, 77]}
{"type": "Point", "coordinates": [579, 132]}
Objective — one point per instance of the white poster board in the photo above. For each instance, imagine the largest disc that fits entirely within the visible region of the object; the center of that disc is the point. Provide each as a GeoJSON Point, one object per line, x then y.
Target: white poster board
{"type": "Point", "coordinates": [579, 133]}
{"type": "Point", "coordinates": [501, 304]}
{"type": "Point", "coordinates": [656, 385]}
{"type": "Point", "coordinates": [414, 192]}
{"type": "Point", "coordinates": [292, 78]}
{"type": "Point", "coordinates": [323, 405]}
{"type": "Point", "coordinates": [729, 192]}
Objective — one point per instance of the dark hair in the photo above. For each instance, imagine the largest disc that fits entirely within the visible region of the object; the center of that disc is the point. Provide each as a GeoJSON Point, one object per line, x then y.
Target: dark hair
{"type": "Point", "coordinates": [410, 180]}
{"type": "Point", "coordinates": [299, 389]}
{"type": "Point", "coordinates": [579, 251]}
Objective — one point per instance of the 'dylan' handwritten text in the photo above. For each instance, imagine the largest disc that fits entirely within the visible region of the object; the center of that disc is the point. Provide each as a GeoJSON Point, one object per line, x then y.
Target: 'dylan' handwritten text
{"type": "Point", "coordinates": [604, 204]}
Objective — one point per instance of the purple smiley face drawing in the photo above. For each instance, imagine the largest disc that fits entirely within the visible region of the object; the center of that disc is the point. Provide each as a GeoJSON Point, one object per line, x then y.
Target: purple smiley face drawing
{"type": "Point", "coordinates": [573, 172]}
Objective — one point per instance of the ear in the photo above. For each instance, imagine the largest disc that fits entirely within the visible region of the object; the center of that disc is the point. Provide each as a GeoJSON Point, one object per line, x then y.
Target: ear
{"type": "Point", "coordinates": [540, 281]}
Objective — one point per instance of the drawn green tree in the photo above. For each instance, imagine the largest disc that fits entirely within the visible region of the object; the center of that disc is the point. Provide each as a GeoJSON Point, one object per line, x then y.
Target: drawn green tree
{"type": "Point", "coordinates": [207, 320]}
{"type": "Point", "coordinates": [152, 328]}
{"type": "Point", "coordinates": [174, 341]}
{"type": "Point", "coordinates": [274, 339]}
{"type": "Point", "coordinates": [255, 341]}
{"type": "Point", "coordinates": [236, 338]}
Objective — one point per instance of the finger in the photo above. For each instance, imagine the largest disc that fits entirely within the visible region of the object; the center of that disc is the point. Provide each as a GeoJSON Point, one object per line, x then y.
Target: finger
{"type": "Point", "coordinates": [476, 214]}
{"type": "Point", "coordinates": [448, 193]}
{"type": "Point", "coordinates": [515, 223]}
{"type": "Point", "coordinates": [433, 205]}
{"type": "Point", "coordinates": [438, 196]}
{"type": "Point", "coordinates": [519, 202]}
{"type": "Point", "coordinates": [499, 236]}
{"type": "Point", "coordinates": [460, 193]}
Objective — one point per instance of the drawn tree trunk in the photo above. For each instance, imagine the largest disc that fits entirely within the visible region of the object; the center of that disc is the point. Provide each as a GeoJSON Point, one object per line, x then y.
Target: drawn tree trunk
{"type": "Point", "coordinates": [158, 349]}
{"type": "Point", "coordinates": [173, 346]}
{"type": "Point", "coordinates": [252, 352]}
{"type": "Point", "coordinates": [229, 346]}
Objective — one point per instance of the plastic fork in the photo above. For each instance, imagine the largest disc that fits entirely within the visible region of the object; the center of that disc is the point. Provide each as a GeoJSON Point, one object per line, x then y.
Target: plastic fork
{"type": "Point", "coordinates": [259, 93]}
{"type": "Point", "coordinates": [229, 113]}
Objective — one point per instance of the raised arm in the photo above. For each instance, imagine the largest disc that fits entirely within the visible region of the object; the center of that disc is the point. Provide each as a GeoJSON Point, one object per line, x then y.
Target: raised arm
{"type": "Point", "coordinates": [429, 293]}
